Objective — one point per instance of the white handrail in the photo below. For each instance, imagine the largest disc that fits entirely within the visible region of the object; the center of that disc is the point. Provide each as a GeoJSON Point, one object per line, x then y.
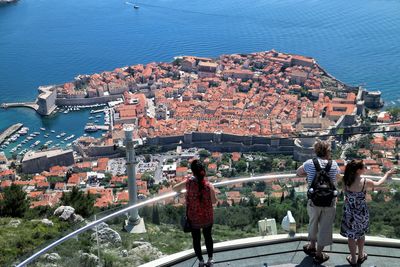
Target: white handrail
{"type": "Point", "coordinates": [156, 199]}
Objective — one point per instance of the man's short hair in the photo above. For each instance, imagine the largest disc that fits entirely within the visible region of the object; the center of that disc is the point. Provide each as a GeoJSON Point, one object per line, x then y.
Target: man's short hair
{"type": "Point", "coordinates": [322, 148]}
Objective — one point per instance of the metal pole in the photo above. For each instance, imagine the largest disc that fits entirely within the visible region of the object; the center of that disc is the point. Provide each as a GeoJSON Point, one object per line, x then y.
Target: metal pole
{"type": "Point", "coordinates": [97, 239]}
{"type": "Point", "coordinates": [130, 168]}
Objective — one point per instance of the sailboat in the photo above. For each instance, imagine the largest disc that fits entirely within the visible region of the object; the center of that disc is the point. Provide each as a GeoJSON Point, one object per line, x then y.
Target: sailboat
{"type": "Point", "coordinates": [135, 6]}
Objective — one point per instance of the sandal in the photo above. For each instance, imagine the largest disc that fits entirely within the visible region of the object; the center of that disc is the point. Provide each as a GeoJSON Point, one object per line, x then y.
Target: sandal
{"type": "Point", "coordinates": [308, 250]}
{"type": "Point", "coordinates": [321, 259]}
{"type": "Point", "coordinates": [362, 259]}
{"type": "Point", "coordinates": [348, 258]}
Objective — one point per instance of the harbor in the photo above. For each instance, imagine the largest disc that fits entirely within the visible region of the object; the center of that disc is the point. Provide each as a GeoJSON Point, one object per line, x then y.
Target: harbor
{"type": "Point", "coordinates": [17, 140]}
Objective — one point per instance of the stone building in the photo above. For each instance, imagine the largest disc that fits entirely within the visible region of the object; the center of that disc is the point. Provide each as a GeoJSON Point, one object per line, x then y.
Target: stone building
{"type": "Point", "coordinates": [46, 100]}
{"type": "Point", "coordinates": [36, 162]}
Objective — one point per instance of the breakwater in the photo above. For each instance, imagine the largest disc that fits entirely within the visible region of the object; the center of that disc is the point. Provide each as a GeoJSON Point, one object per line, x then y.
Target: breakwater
{"type": "Point", "coordinates": [9, 131]}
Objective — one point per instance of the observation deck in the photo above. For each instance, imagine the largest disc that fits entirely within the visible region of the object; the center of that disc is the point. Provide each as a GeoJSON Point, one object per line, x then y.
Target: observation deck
{"type": "Point", "coordinates": [271, 250]}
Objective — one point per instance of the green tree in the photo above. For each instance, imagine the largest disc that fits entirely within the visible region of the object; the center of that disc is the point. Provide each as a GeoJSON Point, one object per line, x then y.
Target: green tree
{"type": "Point", "coordinates": [260, 186]}
{"type": "Point", "coordinates": [149, 178]}
{"type": "Point", "coordinates": [15, 202]}
{"type": "Point", "coordinates": [240, 166]}
{"type": "Point", "coordinates": [378, 197]}
{"type": "Point", "coordinates": [204, 154]}
{"type": "Point", "coordinates": [81, 202]}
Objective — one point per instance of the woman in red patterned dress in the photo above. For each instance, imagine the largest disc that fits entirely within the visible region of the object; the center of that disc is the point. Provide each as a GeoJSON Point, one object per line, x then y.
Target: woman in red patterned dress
{"type": "Point", "coordinates": [200, 197]}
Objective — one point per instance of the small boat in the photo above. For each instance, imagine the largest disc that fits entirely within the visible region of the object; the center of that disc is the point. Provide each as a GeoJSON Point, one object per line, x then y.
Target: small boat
{"type": "Point", "coordinates": [62, 134]}
{"type": "Point", "coordinates": [52, 131]}
{"type": "Point", "coordinates": [90, 127]}
{"type": "Point", "coordinates": [58, 136]}
{"type": "Point", "coordinates": [66, 112]}
{"type": "Point", "coordinates": [23, 131]}
{"type": "Point", "coordinates": [43, 129]}
{"type": "Point", "coordinates": [136, 6]}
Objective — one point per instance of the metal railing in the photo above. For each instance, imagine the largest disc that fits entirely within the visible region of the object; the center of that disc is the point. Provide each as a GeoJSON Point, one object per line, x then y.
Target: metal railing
{"type": "Point", "coordinates": [157, 199]}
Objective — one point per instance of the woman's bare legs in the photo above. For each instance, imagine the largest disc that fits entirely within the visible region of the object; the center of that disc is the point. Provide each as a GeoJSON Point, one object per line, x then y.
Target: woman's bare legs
{"type": "Point", "coordinates": [360, 245]}
{"type": "Point", "coordinates": [353, 249]}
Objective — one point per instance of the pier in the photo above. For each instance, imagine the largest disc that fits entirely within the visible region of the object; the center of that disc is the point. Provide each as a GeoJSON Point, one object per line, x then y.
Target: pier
{"type": "Point", "coordinates": [31, 105]}
{"type": "Point", "coordinates": [9, 131]}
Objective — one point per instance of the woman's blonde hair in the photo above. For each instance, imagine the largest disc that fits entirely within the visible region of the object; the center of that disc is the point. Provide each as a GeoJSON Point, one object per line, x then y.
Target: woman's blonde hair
{"type": "Point", "coordinates": [322, 148]}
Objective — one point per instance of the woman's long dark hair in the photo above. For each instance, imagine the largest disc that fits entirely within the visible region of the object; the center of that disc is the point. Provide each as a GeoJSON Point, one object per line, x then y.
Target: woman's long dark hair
{"type": "Point", "coordinates": [199, 172]}
{"type": "Point", "coordinates": [350, 173]}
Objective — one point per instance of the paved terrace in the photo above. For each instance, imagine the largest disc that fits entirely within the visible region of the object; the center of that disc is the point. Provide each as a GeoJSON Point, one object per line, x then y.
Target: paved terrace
{"type": "Point", "coordinates": [284, 251]}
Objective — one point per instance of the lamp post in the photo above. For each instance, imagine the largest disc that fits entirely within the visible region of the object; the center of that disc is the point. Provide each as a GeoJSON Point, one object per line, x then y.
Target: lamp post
{"type": "Point", "coordinates": [134, 224]}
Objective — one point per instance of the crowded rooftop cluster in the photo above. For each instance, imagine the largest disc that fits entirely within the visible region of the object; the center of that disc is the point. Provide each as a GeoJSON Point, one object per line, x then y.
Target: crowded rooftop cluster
{"type": "Point", "coordinates": [106, 177]}
{"type": "Point", "coordinates": [260, 94]}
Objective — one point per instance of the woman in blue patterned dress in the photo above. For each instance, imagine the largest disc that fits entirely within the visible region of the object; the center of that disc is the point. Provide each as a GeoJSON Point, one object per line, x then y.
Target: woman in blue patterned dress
{"type": "Point", "coordinates": [355, 220]}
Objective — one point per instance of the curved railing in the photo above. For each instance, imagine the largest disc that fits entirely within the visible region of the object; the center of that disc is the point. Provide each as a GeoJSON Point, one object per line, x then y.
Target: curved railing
{"type": "Point", "coordinates": [154, 200]}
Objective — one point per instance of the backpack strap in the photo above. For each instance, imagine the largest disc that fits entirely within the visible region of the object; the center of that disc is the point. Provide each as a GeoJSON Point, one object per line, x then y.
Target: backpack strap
{"type": "Point", "coordinates": [316, 164]}
{"type": "Point", "coordinates": [328, 166]}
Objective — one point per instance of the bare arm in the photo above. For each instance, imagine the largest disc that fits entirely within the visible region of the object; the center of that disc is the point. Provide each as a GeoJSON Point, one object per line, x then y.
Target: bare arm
{"type": "Point", "coordinates": [214, 199]}
{"type": "Point", "coordinates": [372, 183]}
{"type": "Point", "coordinates": [301, 172]}
{"type": "Point", "coordinates": [179, 187]}
{"type": "Point", "coordinates": [339, 177]}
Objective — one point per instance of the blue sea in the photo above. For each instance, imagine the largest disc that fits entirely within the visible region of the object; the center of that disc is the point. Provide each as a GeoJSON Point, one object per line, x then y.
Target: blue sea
{"type": "Point", "coordinates": [51, 41]}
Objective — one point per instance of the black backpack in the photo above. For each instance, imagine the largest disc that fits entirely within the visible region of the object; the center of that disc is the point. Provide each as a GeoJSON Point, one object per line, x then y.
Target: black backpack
{"type": "Point", "coordinates": [322, 190]}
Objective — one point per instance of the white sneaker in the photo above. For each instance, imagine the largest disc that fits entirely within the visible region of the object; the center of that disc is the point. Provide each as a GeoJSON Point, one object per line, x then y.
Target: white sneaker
{"type": "Point", "coordinates": [210, 263]}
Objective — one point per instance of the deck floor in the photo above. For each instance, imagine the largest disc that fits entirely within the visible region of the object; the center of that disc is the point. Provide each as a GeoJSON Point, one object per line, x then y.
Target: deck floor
{"type": "Point", "coordinates": [290, 254]}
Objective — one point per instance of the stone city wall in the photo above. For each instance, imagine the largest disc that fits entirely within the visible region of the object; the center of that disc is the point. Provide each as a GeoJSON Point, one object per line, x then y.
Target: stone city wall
{"type": "Point", "coordinates": [225, 143]}
{"type": "Point", "coordinates": [86, 101]}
